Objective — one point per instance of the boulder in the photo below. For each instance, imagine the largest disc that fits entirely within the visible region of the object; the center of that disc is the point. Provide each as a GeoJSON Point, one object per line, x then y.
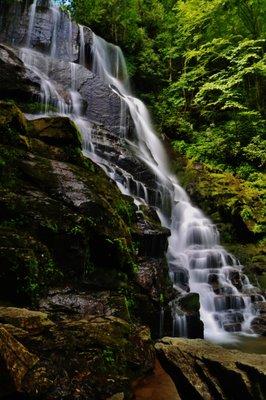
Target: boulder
{"type": "Point", "coordinates": [189, 303]}
{"type": "Point", "coordinates": [258, 324]}
{"type": "Point", "coordinates": [204, 371]}
{"type": "Point", "coordinates": [34, 322]}
{"type": "Point", "coordinates": [57, 131]}
{"type": "Point", "coordinates": [150, 235]}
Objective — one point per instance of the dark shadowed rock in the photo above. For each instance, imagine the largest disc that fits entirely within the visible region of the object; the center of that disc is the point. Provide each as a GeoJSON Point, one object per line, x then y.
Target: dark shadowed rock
{"type": "Point", "coordinates": [94, 357]}
{"type": "Point", "coordinates": [16, 81]}
{"type": "Point", "coordinates": [259, 323]}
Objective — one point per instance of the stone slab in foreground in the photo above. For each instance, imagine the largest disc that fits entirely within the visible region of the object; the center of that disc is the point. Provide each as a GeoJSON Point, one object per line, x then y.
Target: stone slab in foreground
{"type": "Point", "coordinates": [204, 371]}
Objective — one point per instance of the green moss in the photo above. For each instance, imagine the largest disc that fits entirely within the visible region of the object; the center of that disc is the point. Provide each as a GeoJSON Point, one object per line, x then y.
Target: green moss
{"type": "Point", "coordinates": [40, 174]}
{"type": "Point", "coordinates": [126, 210]}
{"type": "Point", "coordinates": [253, 257]}
{"type": "Point", "coordinates": [223, 193]}
{"type": "Point", "coordinates": [27, 269]}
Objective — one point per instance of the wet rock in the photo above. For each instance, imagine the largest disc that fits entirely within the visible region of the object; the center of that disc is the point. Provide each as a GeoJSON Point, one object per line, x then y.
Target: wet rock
{"type": "Point", "coordinates": [58, 131]}
{"type": "Point", "coordinates": [152, 277]}
{"type": "Point", "coordinates": [189, 303]}
{"type": "Point", "coordinates": [34, 322]}
{"type": "Point", "coordinates": [52, 212]}
{"type": "Point", "coordinates": [258, 324]}
{"type": "Point", "coordinates": [201, 370]}
{"type": "Point", "coordinates": [15, 22]}
{"type": "Point", "coordinates": [150, 235]}
{"type": "Point", "coordinates": [179, 276]}
{"type": "Point", "coordinates": [16, 81]}
{"type": "Point", "coordinates": [70, 302]}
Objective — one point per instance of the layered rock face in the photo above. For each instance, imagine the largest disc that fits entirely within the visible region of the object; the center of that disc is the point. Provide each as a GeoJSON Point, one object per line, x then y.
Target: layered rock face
{"type": "Point", "coordinates": [203, 371]}
{"type": "Point", "coordinates": [67, 247]}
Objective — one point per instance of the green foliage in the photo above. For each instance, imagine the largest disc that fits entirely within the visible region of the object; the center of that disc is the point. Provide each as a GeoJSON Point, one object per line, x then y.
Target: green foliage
{"type": "Point", "coordinates": [108, 356]}
{"type": "Point", "coordinates": [125, 210]}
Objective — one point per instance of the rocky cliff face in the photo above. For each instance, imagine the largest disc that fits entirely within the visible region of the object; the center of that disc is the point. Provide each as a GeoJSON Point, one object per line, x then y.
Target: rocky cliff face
{"type": "Point", "coordinates": [69, 246]}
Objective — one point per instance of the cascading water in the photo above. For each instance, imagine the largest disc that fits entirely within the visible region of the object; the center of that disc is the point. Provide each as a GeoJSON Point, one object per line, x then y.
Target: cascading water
{"type": "Point", "coordinates": [32, 12]}
{"type": "Point", "coordinates": [194, 241]}
{"type": "Point", "coordinates": [196, 260]}
{"type": "Point", "coordinates": [82, 46]}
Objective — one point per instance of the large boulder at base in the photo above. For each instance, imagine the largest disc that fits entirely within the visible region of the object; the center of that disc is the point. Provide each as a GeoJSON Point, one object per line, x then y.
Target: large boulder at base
{"type": "Point", "coordinates": [204, 371]}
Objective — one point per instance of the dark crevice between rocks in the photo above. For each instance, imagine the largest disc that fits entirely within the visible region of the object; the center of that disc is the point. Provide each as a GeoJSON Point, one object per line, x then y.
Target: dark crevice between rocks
{"type": "Point", "coordinates": [184, 388]}
{"type": "Point", "coordinates": [257, 380]}
{"type": "Point", "coordinates": [232, 382]}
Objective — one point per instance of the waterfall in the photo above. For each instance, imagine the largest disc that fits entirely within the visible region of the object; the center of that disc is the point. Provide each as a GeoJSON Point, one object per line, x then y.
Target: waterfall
{"type": "Point", "coordinates": [56, 19]}
{"type": "Point", "coordinates": [32, 12]}
{"type": "Point", "coordinates": [194, 241]}
{"type": "Point", "coordinates": [82, 46]}
{"type": "Point", "coordinates": [197, 262]}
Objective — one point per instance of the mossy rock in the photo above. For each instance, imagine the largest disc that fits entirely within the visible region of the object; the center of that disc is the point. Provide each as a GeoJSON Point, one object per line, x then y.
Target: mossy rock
{"type": "Point", "coordinates": [253, 257]}
{"type": "Point", "coordinates": [27, 269]}
{"type": "Point", "coordinates": [55, 195]}
{"type": "Point", "coordinates": [58, 131]}
{"type": "Point", "coordinates": [189, 303]}
{"type": "Point", "coordinates": [95, 357]}
{"type": "Point", "coordinates": [227, 198]}
{"type": "Point", "coordinates": [12, 124]}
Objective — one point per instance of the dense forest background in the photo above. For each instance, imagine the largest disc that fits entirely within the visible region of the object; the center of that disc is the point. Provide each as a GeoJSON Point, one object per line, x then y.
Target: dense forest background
{"type": "Point", "coordinates": [200, 66]}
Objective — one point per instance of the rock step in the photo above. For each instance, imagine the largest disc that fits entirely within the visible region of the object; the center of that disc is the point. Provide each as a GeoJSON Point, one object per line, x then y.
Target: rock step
{"type": "Point", "coordinates": [229, 302]}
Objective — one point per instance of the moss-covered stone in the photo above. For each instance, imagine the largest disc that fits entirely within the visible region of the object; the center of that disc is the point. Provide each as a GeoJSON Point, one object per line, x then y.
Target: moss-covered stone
{"type": "Point", "coordinates": [226, 198]}
{"type": "Point", "coordinates": [65, 203]}
{"type": "Point", "coordinates": [58, 131]}
{"type": "Point", "coordinates": [27, 268]}
{"type": "Point", "coordinates": [190, 303]}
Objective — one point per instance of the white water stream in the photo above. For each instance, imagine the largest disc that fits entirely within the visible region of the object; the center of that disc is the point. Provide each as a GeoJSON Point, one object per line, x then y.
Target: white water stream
{"type": "Point", "coordinates": [196, 259]}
